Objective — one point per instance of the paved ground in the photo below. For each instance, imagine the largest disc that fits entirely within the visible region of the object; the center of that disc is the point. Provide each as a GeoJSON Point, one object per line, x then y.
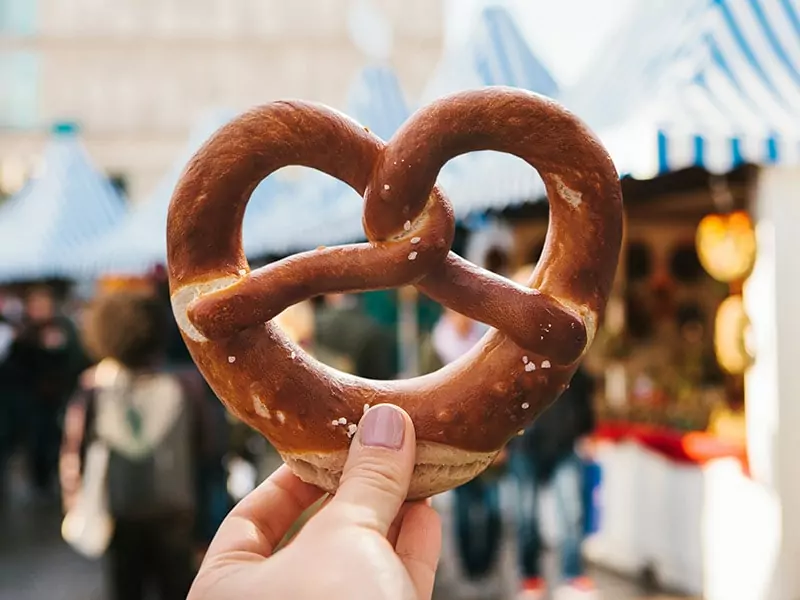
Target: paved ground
{"type": "Point", "coordinates": [36, 565]}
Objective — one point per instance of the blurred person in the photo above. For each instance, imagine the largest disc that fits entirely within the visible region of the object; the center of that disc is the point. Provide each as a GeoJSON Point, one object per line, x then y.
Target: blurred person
{"type": "Point", "coordinates": [551, 453]}
{"type": "Point", "coordinates": [154, 423]}
{"type": "Point", "coordinates": [10, 382]}
{"type": "Point", "coordinates": [346, 338]}
{"type": "Point", "coordinates": [478, 544]}
{"type": "Point", "coordinates": [453, 336]}
{"type": "Point", "coordinates": [50, 359]}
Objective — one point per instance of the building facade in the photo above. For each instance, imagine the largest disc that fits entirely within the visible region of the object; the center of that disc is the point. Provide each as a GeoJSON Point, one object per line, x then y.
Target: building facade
{"type": "Point", "coordinates": [136, 74]}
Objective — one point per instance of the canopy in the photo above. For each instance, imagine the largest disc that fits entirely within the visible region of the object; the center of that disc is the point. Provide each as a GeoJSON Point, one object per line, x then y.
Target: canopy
{"type": "Point", "coordinates": [377, 100]}
{"type": "Point", "coordinates": [139, 242]}
{"type": "Point", "coordinates": [495, 54]}
{"type": "Point", "coordinates": [68, 203]}
{"type": "Point", "coordinates": [294, 209]}
{"type": "Point", "coordinates": [705, 83]}
{"type": "Point", "coordinates": [320, 210]}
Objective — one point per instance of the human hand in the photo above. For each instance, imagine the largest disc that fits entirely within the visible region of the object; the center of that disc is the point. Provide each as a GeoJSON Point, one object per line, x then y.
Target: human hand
{"type": "Point", "coordinates": [365, 542]}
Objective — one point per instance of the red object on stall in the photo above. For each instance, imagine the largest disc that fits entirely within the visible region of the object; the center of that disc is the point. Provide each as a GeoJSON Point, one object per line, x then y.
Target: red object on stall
{"type": "Point", "coordinates": [695, 447]}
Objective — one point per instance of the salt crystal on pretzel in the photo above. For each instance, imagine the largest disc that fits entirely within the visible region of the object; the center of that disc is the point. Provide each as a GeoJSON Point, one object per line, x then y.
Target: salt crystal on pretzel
{"type": "Point", "coordinates": [464, 413]}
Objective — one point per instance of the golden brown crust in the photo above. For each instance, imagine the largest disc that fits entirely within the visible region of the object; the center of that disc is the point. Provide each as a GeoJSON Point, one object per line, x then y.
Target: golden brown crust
{"type": "Point", "coordinates": [474, 405]}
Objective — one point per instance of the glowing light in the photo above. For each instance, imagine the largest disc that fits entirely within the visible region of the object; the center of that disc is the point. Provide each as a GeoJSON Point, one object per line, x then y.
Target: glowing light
{"type": "Point", "coordinates": [726, 246]}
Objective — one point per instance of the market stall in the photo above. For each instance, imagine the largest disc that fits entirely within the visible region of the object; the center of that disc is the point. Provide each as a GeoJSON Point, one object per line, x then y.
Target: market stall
{"type": "Point", "coordinates": [669, 405]}
{"type": "Point", "coordinates": [67, 203]}
{"type": "Point", "coordinates": [692, 88]}
{"type": "Point", "coordinates": [698, 100]}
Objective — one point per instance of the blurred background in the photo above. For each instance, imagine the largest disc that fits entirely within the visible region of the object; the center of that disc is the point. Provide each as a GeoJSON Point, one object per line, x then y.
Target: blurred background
{"type": "Point", "coordinates": [668, 470]}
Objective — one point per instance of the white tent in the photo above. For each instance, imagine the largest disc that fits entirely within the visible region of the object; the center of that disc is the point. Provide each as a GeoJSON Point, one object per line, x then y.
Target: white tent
{"type": "Point", "coordinates": [68, 203]}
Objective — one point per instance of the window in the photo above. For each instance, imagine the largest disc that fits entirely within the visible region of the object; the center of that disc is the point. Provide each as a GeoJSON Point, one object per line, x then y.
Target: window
{"type": "Point", "coordinates": [17, 17]}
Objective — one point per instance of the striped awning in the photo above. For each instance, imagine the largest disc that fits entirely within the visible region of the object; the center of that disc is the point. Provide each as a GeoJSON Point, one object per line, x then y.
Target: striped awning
{"type": "Point", "coordinates": [496, 54]}
{"type": "Point", "coordinates": [503, 57]}
{"type": "Point", "coordinates": [698, 83]}
{"type": "Point", "coordinates": [68, 203]}
{"type": "Point", "coordinates": [376, 99]}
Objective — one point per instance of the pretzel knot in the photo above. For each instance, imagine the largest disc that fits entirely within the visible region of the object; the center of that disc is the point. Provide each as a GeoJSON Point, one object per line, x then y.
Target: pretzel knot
{"type": "Point", "coordinates": [464, 413]}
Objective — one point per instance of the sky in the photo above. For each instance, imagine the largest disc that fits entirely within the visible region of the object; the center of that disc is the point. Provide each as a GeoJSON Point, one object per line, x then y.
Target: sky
{"type": "Point", "coordinates": [564, 34]}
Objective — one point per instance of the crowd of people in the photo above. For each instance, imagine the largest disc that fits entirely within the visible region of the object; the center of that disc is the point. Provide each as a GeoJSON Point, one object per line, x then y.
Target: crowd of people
{"type": "Point", "coordinates": [115, 373]}
{"type": "Point", "coordinates": [41, 358]}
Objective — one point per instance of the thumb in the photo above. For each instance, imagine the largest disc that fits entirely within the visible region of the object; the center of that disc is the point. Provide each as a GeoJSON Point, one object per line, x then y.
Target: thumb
{"type": "Point", "coordinates": [378, 470]}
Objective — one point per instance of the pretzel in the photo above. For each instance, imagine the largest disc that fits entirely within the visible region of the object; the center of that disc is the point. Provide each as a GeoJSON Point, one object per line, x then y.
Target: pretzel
{"type": "Point", "coordinates": [467, 411]}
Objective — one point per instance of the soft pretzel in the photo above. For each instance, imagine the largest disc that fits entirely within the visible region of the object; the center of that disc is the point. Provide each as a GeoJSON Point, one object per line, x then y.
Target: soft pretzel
{"type": "Point", "coordinates": [464, 413]}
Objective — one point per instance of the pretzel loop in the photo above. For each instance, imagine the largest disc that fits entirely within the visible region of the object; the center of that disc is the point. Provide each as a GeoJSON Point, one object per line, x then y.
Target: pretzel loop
{"type": "Point", "coordinates": [567, 296]}
{"type": "Point", "coordinates": [418, 235]}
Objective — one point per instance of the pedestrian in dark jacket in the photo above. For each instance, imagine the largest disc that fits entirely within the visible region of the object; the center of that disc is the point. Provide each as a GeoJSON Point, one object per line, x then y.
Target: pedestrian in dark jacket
{"type": "Point", "coordinates": [547, 454]}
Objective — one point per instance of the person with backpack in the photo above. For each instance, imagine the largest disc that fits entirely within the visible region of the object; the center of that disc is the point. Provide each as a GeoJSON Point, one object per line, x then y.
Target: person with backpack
{"type": "Point", "coordinates": [151, 420]}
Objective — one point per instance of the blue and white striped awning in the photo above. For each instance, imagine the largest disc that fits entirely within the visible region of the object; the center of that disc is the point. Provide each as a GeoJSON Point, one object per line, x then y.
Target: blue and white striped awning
{"type": "Point", "coordinates": [503, 57]}
{"type": "Point", "coordinates": [68, 203]}
{"type": "Point", "coordinates": [706, 83]}
{"type": "Point", "coordinates": [496, 54]}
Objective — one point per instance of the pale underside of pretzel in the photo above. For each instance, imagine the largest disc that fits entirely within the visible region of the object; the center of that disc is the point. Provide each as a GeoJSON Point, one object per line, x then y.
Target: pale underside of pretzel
{"type": "Point", "coordinates": [464, 413]}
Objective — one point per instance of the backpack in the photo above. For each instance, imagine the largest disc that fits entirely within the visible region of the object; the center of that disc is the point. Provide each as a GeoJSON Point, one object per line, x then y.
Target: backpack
{"type": "Point", "coordinates": [147, 423]}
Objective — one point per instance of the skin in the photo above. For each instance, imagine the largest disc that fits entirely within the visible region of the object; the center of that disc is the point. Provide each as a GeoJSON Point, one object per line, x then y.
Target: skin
{"type": "Point", "coordinates": [365, 543]}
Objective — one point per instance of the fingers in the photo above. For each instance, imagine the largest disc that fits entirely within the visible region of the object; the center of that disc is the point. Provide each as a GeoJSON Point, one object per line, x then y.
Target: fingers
{"type": "Point", "coordinates": [394, 529]}
{"type": "Point", "coordinates": [419, 544]}
{"type": "Point", "coordinates": [378, 471]}
{"type": "Point", "coordinates": [258, 523]}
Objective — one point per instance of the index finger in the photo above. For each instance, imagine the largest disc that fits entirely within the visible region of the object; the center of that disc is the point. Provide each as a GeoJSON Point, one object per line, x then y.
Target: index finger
{"type": "Point", "coordinates": [258, 523]}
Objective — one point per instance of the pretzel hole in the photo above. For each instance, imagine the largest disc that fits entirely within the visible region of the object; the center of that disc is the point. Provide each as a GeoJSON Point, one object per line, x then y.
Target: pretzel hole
{"type": "Point", "coordinates": [272, 206]}
{"type": "Point", "coordinates": [257, 297]}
